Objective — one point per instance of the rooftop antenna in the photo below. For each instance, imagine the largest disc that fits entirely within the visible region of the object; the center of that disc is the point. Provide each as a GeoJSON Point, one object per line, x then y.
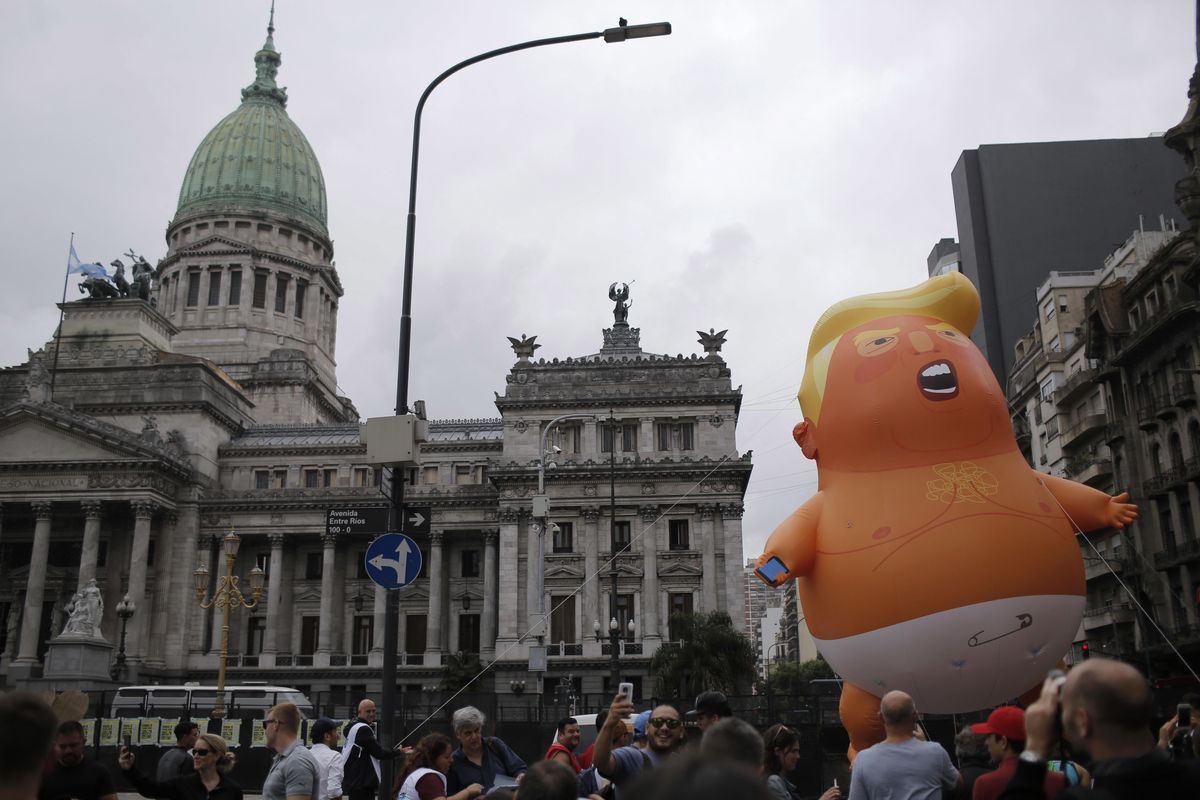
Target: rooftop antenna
{"type": "Point", "coordinates": [271, 21]}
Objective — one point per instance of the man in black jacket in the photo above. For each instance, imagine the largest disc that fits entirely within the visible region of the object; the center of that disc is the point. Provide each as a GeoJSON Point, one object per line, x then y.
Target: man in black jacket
{"type": "Point", "coordinates": [361, 755]}
{"type": "Point", "coordinates": [1106, 708]}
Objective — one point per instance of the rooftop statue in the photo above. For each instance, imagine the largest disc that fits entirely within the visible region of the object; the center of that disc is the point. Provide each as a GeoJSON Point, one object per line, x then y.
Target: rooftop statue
{"type": "Point", "coordinates": [619, 293]}
{"type": "Point", "coordinates": [524, 346]}
{"type": "Point", "coordinates": [712, 341]}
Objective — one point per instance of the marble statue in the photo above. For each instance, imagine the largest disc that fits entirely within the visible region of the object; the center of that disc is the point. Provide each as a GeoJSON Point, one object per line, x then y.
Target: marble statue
{"type": "Point", "coordinates": [79, 622]}
{"type": "Point", "coordinates": [94, 602]}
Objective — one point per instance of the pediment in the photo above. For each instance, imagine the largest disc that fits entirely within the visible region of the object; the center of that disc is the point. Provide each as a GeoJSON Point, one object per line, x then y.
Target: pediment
{"type": "Point", "coordinates": [308, 594]}
{"type": "Point", "coordinates": [49, 434]}
{"type": "Point", "coordinates": [564, 571]}
{"type": "Point", "coordinates": [214, 242]}
{"type": "Point", "coordinates": [679, 568]}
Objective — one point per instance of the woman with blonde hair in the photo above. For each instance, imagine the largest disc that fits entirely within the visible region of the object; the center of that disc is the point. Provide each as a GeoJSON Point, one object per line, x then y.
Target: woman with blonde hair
{"type": "Point", "coordinates": [211, 758]}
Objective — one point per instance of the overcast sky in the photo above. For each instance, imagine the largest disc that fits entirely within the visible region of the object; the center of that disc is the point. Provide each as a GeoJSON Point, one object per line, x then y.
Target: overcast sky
{"type": "Point", "coordinates": [764, 161]}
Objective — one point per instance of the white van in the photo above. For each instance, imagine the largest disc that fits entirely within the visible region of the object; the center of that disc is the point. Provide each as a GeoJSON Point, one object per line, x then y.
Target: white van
{"type": "Point", "coordinates": [196, 702]}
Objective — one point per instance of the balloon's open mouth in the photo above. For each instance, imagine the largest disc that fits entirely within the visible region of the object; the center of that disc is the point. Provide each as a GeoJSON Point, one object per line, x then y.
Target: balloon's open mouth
{"type": "Point", "coordinates": [938, 381]}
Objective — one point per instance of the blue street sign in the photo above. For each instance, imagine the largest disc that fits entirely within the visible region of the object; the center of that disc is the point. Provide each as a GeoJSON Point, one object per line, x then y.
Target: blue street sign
{"type": "Point", "coordinates": [393, 561]}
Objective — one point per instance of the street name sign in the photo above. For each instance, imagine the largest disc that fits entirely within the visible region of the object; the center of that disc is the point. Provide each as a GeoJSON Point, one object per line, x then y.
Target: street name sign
{"type": "Point", "coordinates": [393, 561]}
{"type": "Point", "coordinates": [341, 521]}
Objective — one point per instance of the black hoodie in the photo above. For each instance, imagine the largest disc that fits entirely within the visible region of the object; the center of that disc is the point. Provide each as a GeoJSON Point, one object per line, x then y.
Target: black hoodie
{"type": "Point", "coordinates": [360, 772]}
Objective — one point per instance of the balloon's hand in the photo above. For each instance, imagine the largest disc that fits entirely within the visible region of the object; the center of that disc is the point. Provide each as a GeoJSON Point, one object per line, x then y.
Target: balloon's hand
{"type": "Point", "coordinates": [1120, 511]}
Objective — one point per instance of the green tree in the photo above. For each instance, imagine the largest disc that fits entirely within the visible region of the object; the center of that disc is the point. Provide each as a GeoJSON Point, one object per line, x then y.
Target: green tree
{"type": "Point", "coordinates": [710, 654]}
{"type": "Point", "coordinates": [790, 678]}
{"type": "Point", "coordinates": [459, 670]}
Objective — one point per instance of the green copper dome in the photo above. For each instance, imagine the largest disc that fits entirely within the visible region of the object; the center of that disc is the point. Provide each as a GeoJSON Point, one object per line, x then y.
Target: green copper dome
{"type": "Point", "coordinates": [256, 158]}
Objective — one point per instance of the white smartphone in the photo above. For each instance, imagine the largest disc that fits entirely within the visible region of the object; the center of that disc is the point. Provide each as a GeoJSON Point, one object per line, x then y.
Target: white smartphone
{"type": "Point", "coordinates": [627, 690]}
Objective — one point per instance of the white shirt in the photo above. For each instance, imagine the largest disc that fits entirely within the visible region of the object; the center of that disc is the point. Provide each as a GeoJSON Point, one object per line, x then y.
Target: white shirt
{"type": "Point", "coordinates": [329, 767]}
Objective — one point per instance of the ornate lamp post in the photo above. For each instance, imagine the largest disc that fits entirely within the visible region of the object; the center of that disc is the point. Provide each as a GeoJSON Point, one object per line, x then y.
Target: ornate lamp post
{"type": "Point", "coordinates": [614, 643]}
{"type": "Point", "coordinates": [228, 595]}
{"type": "Point", "coordinates": [125, 609]}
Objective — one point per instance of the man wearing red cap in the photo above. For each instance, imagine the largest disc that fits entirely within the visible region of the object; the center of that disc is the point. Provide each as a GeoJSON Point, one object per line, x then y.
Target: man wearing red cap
{"type": "Point", "coordinates": [1004, 734]}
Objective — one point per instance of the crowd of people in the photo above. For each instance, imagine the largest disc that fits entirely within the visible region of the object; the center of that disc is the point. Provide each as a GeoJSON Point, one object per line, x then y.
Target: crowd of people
{"type": "Point", "coordinates": [1088, 735]}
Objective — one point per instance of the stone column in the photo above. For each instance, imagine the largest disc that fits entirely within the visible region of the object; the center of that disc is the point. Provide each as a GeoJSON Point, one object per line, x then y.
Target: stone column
{"type": "Point", "coordinates": [1176, 518]}
{"type": "Point", "coordinates": [487, 633]}
{"type": "Point", "coordinates": [91, 542]}
{"type": "Point", "coordinates": [143, 514]}
{"type": "Point", "coordinates": [35, 587]}
{"type": "Point", "coordinates": [535, 532]}
{"type": "Point", "coordinates": [435, 635]}
{"type": "Point", "coordinates": [159, 610]}
{"type": "Point", "coordinates": [182, 602]}
{"type": "Point", "coordinates": [591, 566]}
{"type": "Point", "coordinates": [735, 576]}
{"type": "Point", "coordinates": [1189, 594]}
{"type": "Point", "coordinates": [646, 443]}
{"type": "Point", "coordinates": [651, 529]}
{"type": "Point", "coordinates": [507, 579]}
{"type": "Point", "coordinates": [708, 553]}
{"type": "Point", "coordinates": [328, 568]}
{"type": "Point", "coordinates": [275, 580]}
{"type": "Point", "coordinates": [589, 447]}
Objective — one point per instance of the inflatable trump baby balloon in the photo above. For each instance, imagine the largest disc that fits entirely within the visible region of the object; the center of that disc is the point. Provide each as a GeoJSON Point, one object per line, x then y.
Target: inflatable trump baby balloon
{"type": "Point", "coordinates": [932, 558]}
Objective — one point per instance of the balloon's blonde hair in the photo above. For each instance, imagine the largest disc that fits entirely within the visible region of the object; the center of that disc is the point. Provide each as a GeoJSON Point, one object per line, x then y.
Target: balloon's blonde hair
{"type": "Point", "coordinates": [949, 298]}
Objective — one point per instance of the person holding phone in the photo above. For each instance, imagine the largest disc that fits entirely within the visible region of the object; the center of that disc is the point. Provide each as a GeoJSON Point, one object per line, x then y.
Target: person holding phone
{"type": "Point", "coordinates": [74, 775]}
{"type": "Point", "coordinates": [664, 733]}
{"type": "Point", "coordinates": [212, 762]}
{"type": "Point", "coordinates": [1178, 735]}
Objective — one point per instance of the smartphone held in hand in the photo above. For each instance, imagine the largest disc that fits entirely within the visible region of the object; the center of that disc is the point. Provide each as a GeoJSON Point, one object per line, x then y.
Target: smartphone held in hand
{"type": "Point", "coordinates": [626, 689]}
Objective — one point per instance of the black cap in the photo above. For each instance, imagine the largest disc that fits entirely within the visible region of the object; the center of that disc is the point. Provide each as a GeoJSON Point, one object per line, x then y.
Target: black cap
{"type": "Point", "coordinates": [714, 703]}
{"type": "Point", "coordinates": [320, 728]}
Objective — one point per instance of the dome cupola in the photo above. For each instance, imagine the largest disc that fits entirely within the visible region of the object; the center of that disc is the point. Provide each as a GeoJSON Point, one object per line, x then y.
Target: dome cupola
{"type": "Point", "coordinates": [257, 158]}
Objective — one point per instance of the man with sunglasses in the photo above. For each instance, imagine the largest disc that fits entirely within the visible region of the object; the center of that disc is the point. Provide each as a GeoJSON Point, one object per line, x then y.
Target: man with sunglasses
{"type": "Point", "coordinates": [664, 733]}
{"type": "Point", "coordinates": [294, 772]}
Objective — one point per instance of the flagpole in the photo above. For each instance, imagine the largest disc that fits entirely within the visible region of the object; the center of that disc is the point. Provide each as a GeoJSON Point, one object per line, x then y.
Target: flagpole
{"type": "Point", "coordinates": [61, 314]}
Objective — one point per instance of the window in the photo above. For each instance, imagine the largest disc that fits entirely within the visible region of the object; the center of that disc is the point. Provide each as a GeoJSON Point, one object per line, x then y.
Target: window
{"type": "Point", "coordinates": [1054, 345]}
{"type": "Point", "coordinates": [1062, 304]}
{"type": "Point", "coordinates": [193, 289]}
{"type": "Point", "coordinates": [150, 554]}
{"type": "Point", "coordinates": [563, 537]}
{"type": "Point", "coordinates": [362, 476]}
{"type": "Point", "coordinates": [256, 628]}
{"type": "Point", "coordinates": [568, 438]}
{"type": "Point", "coordinates": [663, 435]}
{"type": "Point", "coordinates": [312, 478]}
{"type": "Point", "coordinates": [310, 629]}
{"type": "Point", "coordinates": [462, 474]}
{"type": "Point", "coordinates": [279, 479]}
{"type": "Point", "coordinates": [314, 564]}
{"type": "Point", "coordinates": [281, 286]}
{"type": "Point", "coordinates": [620, 536]}
{"type": "Point", "coordinates": [259, 300]}
{"type": "Point", "coordinates": [678, 529]}
{"type": "Point", "coordinates": [214, 287]}
{"type": "Point", "coordinates": [301, 287]}
{"type": "Point", "coordinates": [468, 633]}
{"type": "Point", "coordinates": [624, 614]}
{"type": "Point", "coordinates": [687, 436]}
{"type": "Point", "coordinates": [1151, 303]}
{"type": "Point", "coordinates": [606, 439]}
{"type": "Point", "coordinates": [262, 479]}
{"type": "Point", "coordinates": [263, 562]}
{"type": "Point", "coordinates": [1047, 389]}
{"type": "Point", "coordinates": [330, 477]}
{"type": "Point", "coordinates": [414, 633]}
{"type": "Point", "coordinates": [364, 634]}
{"type": "Point", "coordinates": [562, 620]}
{"type": "Point", "coordinates": [470, 563]}
{"type": "Point", "coordinates": [101, 561]}
{"type": "Point", "coordinates": [629, 438]}
{"type": "Point", "coordinates": [1048, 310]}
{"type": "Point", "coordinates": [235, 287]}
{"type": "Point", "coordinates": [680, 603]}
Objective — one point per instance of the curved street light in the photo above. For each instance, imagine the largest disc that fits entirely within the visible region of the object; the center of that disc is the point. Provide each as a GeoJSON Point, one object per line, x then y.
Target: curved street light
{"type": "Point", "coordinates": [620, 33]}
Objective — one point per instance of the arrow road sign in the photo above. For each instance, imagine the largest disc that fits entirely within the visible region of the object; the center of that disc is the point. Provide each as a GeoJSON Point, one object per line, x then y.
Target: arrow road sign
{"type": "Point", "coordinates": [393, 561]}
{"type": "Point", "coordinates": [416, 520]}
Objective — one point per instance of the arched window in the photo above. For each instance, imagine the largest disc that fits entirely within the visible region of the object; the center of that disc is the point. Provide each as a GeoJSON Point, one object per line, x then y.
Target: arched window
{"type": "Point", "coordinates": [1176, 448]}
{"type": "Point", "coordinates": [1193, 431]}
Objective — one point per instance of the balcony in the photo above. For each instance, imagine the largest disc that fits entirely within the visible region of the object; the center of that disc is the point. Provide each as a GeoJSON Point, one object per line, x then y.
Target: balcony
{"type": "Point", "coordinates": [1191, 469]}
{"type": "Point", "coordinates": [1075, 385]}
{"type": "Point", "coordinates": [1183, 391]}
{"type": "Point", "coordinates": [1092, 470]}
{"type": "Point", "coordinates": [1165, 320]}
{"type": "Point", "coordinates": [1114, 432]}
{"type": "Point", "coordinates": [1174, 554]}
{"type": "Point", "coordinates": [1146, 418]}
{"type": "Point", "coordinates": [1095, 568]}
{"type": "Point", "coordinates": [564, 650]}
{"type": "Point", "coordinates": [1083, 430]}
{"type": "Point", "coordinates": [1106, 615]}
{"type": "Point", "coordinates": [1160, 484]}
{"type": "Point", "coordinates": [1164, 408]}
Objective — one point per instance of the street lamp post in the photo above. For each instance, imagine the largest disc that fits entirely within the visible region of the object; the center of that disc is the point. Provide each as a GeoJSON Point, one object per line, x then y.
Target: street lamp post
{"type": "Point", "coordinates": [227, 596]}
{"type": "Point", "coordinates": [392, 608]}
{"type": "Point", "coordinates": [614, 646]}
{"type": "Point", "coordinates": [125, 609]}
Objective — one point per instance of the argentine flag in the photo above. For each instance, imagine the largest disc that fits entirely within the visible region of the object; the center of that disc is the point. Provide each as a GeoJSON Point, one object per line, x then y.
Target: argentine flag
{"type": "Point", "coordinates": [91, 270]}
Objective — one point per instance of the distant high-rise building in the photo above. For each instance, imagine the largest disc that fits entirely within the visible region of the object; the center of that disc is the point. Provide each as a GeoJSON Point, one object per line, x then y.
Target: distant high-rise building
{"type": "Point", "coordinates": [944, 257]}
{"type": "Point", "coordinates": [1026, 209]}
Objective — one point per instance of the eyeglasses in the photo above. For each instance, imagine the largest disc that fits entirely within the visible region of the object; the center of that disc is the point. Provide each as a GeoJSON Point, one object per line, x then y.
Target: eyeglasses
{"type": "Point", "coordinates": [665, 722]}
{"type": "Point", "coordinates": [267, 722]}
{"type": "Point", "coordinates": [198, 752]}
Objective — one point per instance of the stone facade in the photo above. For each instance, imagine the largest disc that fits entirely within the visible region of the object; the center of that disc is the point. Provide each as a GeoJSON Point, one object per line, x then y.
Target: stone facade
{"type": "Point", "coordinates": [147, 431]}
